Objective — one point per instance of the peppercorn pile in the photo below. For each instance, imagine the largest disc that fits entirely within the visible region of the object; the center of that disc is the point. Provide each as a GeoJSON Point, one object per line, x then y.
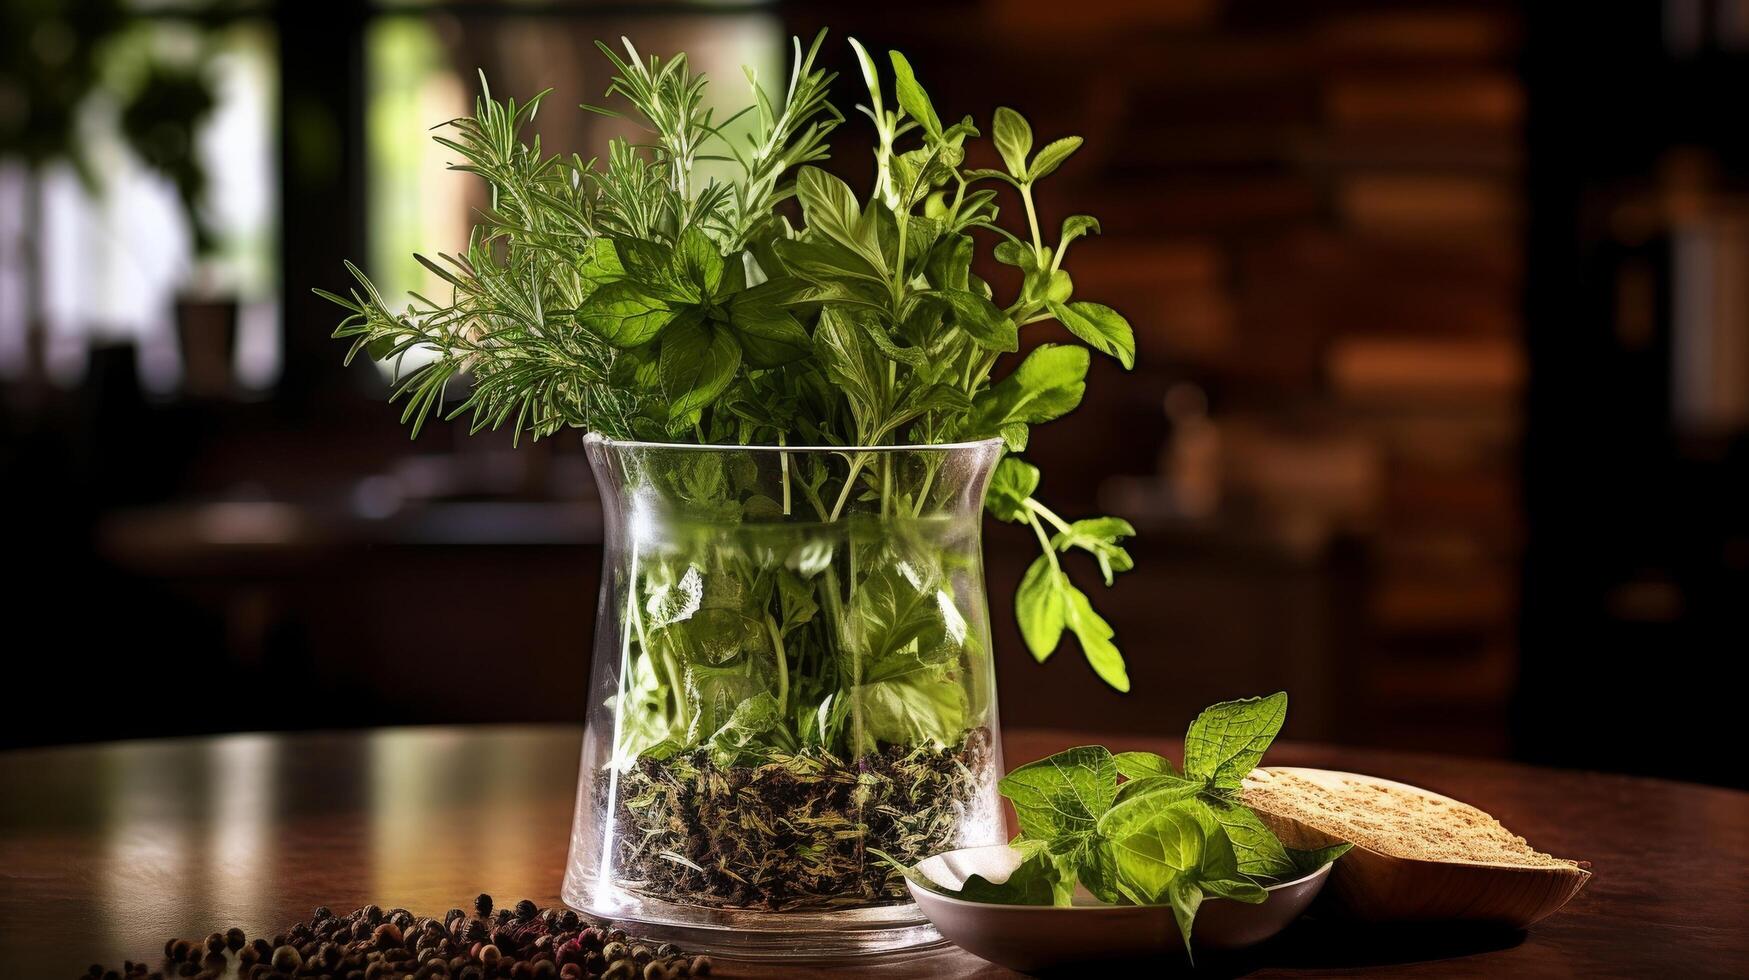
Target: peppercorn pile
{"type": "Point", "coordinates": [521, 943]}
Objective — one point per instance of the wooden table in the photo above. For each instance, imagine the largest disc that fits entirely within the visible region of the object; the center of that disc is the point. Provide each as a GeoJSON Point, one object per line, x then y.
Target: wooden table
{"type": "Point", "coordinates": [107, 850]}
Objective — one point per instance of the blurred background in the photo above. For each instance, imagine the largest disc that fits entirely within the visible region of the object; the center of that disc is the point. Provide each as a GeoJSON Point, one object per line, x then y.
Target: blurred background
{"type": "Point", "coordinates": [1439, 419]}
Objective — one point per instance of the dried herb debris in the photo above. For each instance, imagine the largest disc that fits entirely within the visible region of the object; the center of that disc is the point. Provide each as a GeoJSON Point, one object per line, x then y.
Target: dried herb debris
{"type": "Point", "coordinates": [793, 833]}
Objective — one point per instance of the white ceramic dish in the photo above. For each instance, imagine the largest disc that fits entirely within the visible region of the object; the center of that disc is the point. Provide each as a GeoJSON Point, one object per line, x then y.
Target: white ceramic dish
{"type": "Point", "coordinates": [1039, 937]}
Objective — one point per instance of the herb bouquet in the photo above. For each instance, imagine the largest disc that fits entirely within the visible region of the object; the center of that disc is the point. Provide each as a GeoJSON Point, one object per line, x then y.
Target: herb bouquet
{"type": "Point", "coordinates": [794, 420]}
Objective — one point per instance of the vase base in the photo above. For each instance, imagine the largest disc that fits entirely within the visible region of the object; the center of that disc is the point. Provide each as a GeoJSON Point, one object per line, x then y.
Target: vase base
{"type": "Point", "coordinates": [755, 935]}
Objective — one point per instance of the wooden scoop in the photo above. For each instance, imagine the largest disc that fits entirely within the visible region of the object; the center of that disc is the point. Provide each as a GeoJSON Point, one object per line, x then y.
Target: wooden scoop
{"type": "Point", "coordinates": [1418, 856]}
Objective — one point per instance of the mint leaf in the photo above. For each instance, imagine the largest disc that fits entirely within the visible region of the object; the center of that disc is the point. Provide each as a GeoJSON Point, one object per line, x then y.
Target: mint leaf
{"type": "Point", "coordinates": [1063, 794]}
{"type": "Point", "coordinates": [1013, 482]}
{"type": "Point", "coordinates": [1013, 139]}
{"type": "Point", "coordinates": [1099, 536]}
{"type": "Point", "coordinates": [1075, 226]}
{"type": "Point", "coordinates": [1047, 385]}
{"type": "Point", "coordinates": [1101, 327]}
{"type": "Point", "coordinates": [1228, 740]}
{"type": "Point", "coordinates": [988, 326]}
{"type": "Point", "coordinates": [1052, 157]}
{"type": "Point", "coordinates": [1094, 635]}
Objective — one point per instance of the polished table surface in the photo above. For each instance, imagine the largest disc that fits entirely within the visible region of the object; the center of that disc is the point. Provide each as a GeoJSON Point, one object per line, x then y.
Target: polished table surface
{"type": "Point", "coordinates": [107, 850]}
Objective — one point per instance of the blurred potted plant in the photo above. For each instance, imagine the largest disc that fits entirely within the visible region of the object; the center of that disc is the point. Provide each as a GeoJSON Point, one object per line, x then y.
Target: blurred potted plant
{"type": "Point", "coordinates": [161, 123]}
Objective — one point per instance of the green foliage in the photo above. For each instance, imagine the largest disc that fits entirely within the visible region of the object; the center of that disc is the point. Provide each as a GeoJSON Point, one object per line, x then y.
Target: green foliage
{"type": "Point", "coordinates": [631, 296]}
{"type": "Point", "coordinates": [1155, 837]}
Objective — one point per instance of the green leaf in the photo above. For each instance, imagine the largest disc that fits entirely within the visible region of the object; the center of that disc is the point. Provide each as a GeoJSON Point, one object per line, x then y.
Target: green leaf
{"type": "Point", "coordinates": [1052, 157]}
{"type": "Point", "coordinates": [899, 621]}
{"type": "Point", "coordinates": [769, 335]}
{"type": "Point", "coordinates": [912, 98]}
{"type": "Point", "coordinates": [918, 709]}
{"type": "Point", "coordinates": [1013, 482]}
{"type": "Point", "coordinates": [1062, 794]}
{"type": "Point", "coordinates": [599, 263]}
{"type": "Point", "coordinates": [1038, 877]}
{"type": "Point", "coordinates": [1047, 385]}
{"type": "Point", "coordinates": [1186, 899]}
{"type": "Point", "coordinates": [1228, 740]}
{"type": "Point", "coordinates": [624, 315]}
{"type": "Point", "coordinates": [1099, 536]}
{"type": "Point", "coordinates": [698, 262]}
{"type": "Point", "coordinates": [1009, 252]}
{"type": "Point", "coordinates": [1102, 327]}
{"type": "Point", "coordinates": [1137, 765]}
{"type": "Point", "coordinates": [988, 326]}
{"type": "Point", "coordinates": [1075, 226]}
{"type": "Point", "coordinates": [1156, 853]}
{"type": "Point", "coordinates": [1038, 606]}
{"type": "Point", "coordinates": [1094, 635]}
{"type": "Point", "coordinates": [830, 263]}
{"type": "Point", "coordinates": [949, 265]}
{"type": "Point", "coordinates": [1306, 862]}
{"type": "Point", "coordinates": [1258, 852]}
{"type": "Point", "coordinates": [752, 722]}
{"type": "Point", "coordinates": [697, 363]}
{"type": "Point", "coordinates": [1013, 139]}
{"type": "Point", "coordinates": [830, 208]}
{"type": "Point", "coordinates": [1140, 796]}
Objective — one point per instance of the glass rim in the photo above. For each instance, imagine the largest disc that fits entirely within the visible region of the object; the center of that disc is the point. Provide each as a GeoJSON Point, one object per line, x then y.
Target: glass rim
{"type": "Point", "coordinates": [598, 438]}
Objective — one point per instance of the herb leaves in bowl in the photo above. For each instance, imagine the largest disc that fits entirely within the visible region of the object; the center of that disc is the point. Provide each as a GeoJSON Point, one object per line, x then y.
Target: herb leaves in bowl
{"type": "Point", "coordinates": [1133, 830]}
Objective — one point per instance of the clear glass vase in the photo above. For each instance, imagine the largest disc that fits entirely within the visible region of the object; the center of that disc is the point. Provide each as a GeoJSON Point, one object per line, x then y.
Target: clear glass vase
{"type": "Point", "coordinates": [792, 676]}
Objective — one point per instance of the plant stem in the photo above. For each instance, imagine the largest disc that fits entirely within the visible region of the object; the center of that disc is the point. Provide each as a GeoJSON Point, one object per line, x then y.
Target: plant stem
{"type": "Point", "coordinates": [782, 663]}
{"type": "Point", "coordinates": [856, 466]}
{"type": "Point", "coordinates": [1038, 244]}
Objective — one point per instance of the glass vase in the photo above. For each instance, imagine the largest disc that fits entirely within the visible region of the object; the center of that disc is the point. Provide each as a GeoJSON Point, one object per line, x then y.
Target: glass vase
{"type": "Point", "coordinates": [792, 682]}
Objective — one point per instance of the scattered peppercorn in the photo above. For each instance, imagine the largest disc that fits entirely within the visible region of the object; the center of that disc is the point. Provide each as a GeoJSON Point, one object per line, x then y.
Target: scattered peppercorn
{"type": "Point", "coordinates": [523, 942]}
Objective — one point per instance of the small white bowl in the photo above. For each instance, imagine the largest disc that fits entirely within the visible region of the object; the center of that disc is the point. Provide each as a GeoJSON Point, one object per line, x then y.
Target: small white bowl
{"type": "Point", "coordinates": [1039, 937]}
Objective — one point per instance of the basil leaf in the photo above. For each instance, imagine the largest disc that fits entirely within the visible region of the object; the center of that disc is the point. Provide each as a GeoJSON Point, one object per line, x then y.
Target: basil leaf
{"type": "Point", "coordinates": [1062, 794]}
{"type": "Point", "coordinates": [1013, 482]}
{"type": "Point", "coordinates": [769, 335]}
{"type": "Point", "coordinates": [1259, 852]}
{"type": "Point", "coordinates": [1228, 740]}
{"type": "Point", "coordinates": [697, 363]}
{"type": "Point", "coordinates": [1038, 606]}
{"type": "Point", "coordinates": [828, 263]}
{"type": "Point", "coordinates": [1013, 139]}
{"type": "Point", "coordinates": [624, 315]}
{"type": "Point", "coordinates": [1052, 157]}
{"type": "Point", "coordinates": [1186, 898]}
{"type": "Point", "coordinates": [1047, 385]}
{"type": "Point", "coordinates": [919, 709]}
{"type": "Point", "coordinates": [912, 98]}
{"type": "Point", "coordinates": [1156, 853]}
{"type": "Point", "coordinates": [1137, 765]}
{"type": "Point", "coordinates": [698, 263]}
{"type": "Point", "coordinates": [1101, 327]}
{"type": "Point", "coordinates": [599, 263]}
{"type": "Point", "coordinates": [1306, 862]}
{"type": "Point", "coordinates": [1138, 800]}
